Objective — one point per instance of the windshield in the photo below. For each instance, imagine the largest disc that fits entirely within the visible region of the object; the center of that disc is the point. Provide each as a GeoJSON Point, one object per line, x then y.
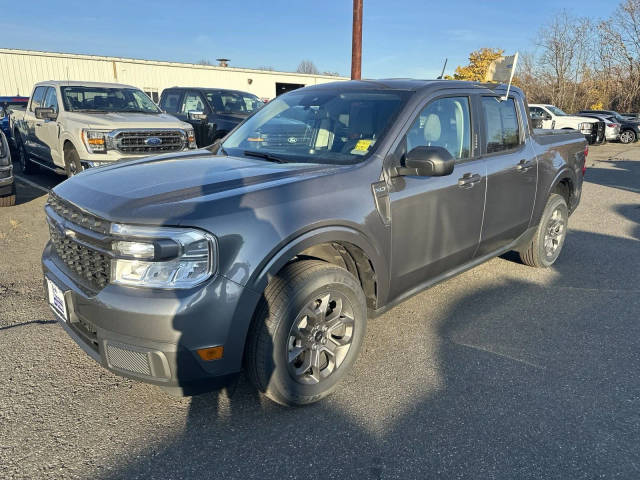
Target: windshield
{"type": "Point", "coordinates": [318, 126]}
{"type": "Point", "coordinates": [556, 111]}
{"type": "Point", "coordinates": [104, 99]}
{"type": "Point", "coordinates": [234, 102]}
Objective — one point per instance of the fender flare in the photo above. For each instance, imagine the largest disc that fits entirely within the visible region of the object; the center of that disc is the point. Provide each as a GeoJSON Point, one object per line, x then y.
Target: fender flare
{"type": "Point", "coordinates": [335, 233]}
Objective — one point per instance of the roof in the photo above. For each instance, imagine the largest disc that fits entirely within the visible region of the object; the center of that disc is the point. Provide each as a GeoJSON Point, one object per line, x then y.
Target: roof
{"type": "Point", "coordinates": [80, 83]}
{"type": "Point", "coordinates": [411, 84]}
{"type": "Point", "coordinates": [211, 89]}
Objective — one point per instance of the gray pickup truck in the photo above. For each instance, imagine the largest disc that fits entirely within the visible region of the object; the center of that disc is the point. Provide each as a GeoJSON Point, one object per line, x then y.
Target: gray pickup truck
{"type": "Point", "coordinates": [268, 251]}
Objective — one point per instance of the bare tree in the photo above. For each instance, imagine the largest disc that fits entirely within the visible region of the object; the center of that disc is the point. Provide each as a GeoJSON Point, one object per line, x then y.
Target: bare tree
{"type": "Point", "coordinates": [307, 66]}
{"type": "Point", "coordinates": [204, 62]}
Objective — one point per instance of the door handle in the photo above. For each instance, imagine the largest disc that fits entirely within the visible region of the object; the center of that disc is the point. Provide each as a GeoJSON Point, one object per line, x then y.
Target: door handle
{"type": "Point", "coordinates": [524, 165]}
{"type": "Point", "coordinates": [38, 124]}
{"type": "Point", "coordinates": [468, 180]}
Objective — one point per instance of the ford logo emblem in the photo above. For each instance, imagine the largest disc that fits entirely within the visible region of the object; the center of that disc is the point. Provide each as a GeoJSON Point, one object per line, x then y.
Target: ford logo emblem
{"type": "Point", "coordinates": [153, 141]}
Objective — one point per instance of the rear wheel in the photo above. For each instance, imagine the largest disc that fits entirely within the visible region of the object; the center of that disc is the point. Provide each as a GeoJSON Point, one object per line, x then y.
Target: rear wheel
{"type": "Point", "coordinates": [72, 163]}
{"type": "Point", "coordinates": [549, 239]}
{"type": "Point", "coordinates": [307, 332]}
{"type": "Point", "coordinates": [628, 136]}
{"type": "Point", "coordinates": [26, 165]}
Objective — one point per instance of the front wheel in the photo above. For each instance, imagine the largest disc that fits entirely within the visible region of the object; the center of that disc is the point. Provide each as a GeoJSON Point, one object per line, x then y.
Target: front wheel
{"type": "Point", "coordinates": [549, 239]}
{"type": "Point", "coordinates": [628, 136]}
{"type": "Point", "coordinates": [307, 332]}
{"type": "Point", "coordinates": [26, 165]}
{"type": "Point", "coordinates": [72, 163]}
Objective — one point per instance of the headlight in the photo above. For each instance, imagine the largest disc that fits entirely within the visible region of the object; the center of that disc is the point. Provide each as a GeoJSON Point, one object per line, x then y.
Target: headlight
{"type": "Point", "coordinates": [95, 140]}
{"type": "Point", "coordinates": [162, 257]}
{"type": "Point", "coordinates": [584, 126]}
{"type": "Point", "coordinates": [191, 139]}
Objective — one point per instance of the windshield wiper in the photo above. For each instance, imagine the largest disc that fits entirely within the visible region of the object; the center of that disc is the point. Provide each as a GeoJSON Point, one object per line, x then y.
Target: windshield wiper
{"type": "Point", "coordinates": [133, 111]}
{"type": "Point", "coordinates": [266, 156]}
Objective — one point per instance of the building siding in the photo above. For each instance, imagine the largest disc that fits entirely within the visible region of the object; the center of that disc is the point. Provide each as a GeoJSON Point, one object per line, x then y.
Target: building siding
{"type": "Point", "coordinates": [21, 69]}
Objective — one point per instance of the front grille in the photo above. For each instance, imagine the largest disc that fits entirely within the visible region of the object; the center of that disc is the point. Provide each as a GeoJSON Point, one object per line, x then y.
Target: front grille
{"type": "Point", "coordinates": [74, 214]}
{"type": "Point", "coordinates": [129, 360]}
{"type": "Point", "coordinates": [150, 141]}
{"type": "Point", "coordinates": [88, 264]}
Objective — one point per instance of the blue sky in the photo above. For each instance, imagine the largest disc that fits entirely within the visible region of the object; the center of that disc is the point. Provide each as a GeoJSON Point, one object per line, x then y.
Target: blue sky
{"type": "Point", "coordinates": [407, 38]}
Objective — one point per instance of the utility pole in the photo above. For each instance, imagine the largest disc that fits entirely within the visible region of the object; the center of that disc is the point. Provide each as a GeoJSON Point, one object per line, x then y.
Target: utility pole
{"type": "Point", "coordinates": [356, 42]}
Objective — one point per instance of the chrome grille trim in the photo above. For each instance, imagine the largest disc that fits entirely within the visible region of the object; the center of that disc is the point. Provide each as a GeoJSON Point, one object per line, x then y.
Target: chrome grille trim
{"type": "Point", "coordinates": [134, 141]}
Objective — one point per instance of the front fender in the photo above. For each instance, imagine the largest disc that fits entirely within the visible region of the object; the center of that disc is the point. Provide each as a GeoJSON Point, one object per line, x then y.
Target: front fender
{"type": "Point", "coordinates": [280, 256]}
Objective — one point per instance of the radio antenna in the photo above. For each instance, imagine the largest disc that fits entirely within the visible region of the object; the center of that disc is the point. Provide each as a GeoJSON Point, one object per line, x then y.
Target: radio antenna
{"type": "Point", "coordinates": [443, 67]}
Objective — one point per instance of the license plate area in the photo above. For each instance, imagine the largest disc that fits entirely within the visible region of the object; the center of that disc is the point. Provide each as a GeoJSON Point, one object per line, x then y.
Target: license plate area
{"type": "Point", "coordinates": [56, 300]}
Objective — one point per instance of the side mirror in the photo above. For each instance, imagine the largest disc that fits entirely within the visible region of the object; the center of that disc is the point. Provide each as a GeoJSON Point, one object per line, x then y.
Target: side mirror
{"type": "Point", "coordinates": [197, 116]}
{"type": "Point", "coordinates": [428, 162]}
{"type": "Point", "coordinates": [46, 113]}
{"type": "Point", "coordinates": [547, 116]}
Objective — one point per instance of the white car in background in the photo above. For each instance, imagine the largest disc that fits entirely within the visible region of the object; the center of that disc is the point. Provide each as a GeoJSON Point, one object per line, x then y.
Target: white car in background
{"type": "Point", "coordinates": [555, 119]}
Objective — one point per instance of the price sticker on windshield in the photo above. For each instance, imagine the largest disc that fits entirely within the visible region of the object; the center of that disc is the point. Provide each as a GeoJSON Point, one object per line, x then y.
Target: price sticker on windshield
{"type": "Point", "coordinates": [362, 147]}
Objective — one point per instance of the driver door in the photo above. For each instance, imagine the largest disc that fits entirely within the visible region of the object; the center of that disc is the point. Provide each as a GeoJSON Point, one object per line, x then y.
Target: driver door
{"type": "Point", "coordinates": [436, 221]}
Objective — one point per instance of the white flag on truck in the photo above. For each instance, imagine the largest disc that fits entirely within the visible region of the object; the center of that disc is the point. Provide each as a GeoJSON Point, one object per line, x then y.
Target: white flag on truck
{"type": "Point", "coordinates": [501, 70]}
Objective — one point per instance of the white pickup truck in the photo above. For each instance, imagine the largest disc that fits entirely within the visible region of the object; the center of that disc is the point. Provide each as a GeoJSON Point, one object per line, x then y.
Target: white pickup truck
{"type": "Point", "coordinates": [68, 126]}
{"type": "Point", "coordinates": [554, 118]}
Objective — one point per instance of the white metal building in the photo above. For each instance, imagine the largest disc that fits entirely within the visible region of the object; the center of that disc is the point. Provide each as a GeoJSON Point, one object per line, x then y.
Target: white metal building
{"type": "Point", "coordinates": [20, 69]}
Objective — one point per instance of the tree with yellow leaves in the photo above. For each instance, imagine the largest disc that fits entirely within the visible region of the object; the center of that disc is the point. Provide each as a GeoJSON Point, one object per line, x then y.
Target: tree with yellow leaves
{"type": "Point", "coordinates": [479, 62]}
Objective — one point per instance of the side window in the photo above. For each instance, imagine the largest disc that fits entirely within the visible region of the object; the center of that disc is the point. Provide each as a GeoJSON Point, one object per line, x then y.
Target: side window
{"type": "Point", "coordinates": [502, 128]}
{"type": "Point", "coordinates": [192, 102]}
{"type": "Point", "coordinates": [51, 99]}
{"type": "Point", "coordinates": [171, 101]}
{"type": "Point", "coordinates": [443, 123]}
{"type": "Point", "coordinates": [38, 96]}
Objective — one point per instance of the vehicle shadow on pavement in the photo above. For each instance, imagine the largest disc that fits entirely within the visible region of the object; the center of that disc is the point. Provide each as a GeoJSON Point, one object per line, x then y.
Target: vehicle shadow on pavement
{"type": "Point", "coordinates": [624, 175]}
{"type": "Point", "coordinates": [537, 378]}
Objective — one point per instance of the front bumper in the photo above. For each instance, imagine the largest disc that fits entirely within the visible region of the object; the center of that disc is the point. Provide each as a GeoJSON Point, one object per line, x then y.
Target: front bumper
{"type": "Point", "coordinates": [152, 335]}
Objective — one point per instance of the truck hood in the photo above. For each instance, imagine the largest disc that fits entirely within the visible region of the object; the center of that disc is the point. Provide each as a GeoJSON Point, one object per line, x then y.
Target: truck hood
{"type": "Point", "coordinates": [113, 121]}
{"type": "Point", "coordinates": [175, 188]}
{"type": "Point", "coordinates": [578, 118]}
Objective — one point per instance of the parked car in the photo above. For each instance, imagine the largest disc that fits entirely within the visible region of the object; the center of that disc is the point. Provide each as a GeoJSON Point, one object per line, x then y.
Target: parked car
{"type": "Point", "coordinates": [7, 185]}
{"type": "Point", "coordinates": [631, 115]}
{"type": "Point", "coordinates": [629, 129]}
{"type": "Point", "coordinates": [72, 125]}
{"type": "Point", "coordinates": [273, 255]}
{"type": "Point", "coordinates": [213, 112]}
{"type": "Point", "coordinates": [6, 104]}
{"type": "Point", "coordinates": [612, 128]}
{"type": "Point", "coordinates": [555, 118]}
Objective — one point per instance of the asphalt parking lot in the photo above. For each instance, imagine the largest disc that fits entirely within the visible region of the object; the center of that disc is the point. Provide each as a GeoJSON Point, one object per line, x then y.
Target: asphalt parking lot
{"type": "Point", "coordinates": [504, 372]}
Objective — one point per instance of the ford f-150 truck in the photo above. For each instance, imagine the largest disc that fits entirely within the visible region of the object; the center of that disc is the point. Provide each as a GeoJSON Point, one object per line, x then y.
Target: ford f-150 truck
{"type": "Point", "coordinates": [269, 252]}
{"type": "Point", "coordinates": [69, 125]}
{"type": "Point", "coordinates": [554, 118]}
{"type": "Point", "coordinates": [213, 112]}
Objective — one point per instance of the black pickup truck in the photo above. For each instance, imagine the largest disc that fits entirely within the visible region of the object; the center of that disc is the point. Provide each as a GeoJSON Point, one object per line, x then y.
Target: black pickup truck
{"type": "Point", "coordinates": [213, 112]}
{"type": "Point", "coordinates": [268, 251]}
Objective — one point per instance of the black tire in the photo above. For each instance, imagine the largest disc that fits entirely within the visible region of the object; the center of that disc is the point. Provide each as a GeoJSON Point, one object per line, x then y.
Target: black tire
{"type": "Point", "coordinates": [627, 136]}
{"type": "Point", "coordinates": [9, 200]}
{"type": "Point", "coordinates": [545, 247]}
{"type": "Point", "coordinates": [26, 165]}
{"type": "Point", "coordinates": [72, 163]}
{"type": "Point", "coordinates": [270, 350]}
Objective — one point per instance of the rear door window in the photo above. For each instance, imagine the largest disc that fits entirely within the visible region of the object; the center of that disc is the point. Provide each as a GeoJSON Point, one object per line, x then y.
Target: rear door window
{"type": "Point", "coordinates": [501, 125]}
{"type": "Point", "coordinates": [38, 97]}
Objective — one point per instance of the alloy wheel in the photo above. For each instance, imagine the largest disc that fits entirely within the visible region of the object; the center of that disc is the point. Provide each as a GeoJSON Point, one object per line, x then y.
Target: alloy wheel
{"type": "Point", "coordinates": [554, 235]}
{"type": "Point", "coordinates": [320, 338]}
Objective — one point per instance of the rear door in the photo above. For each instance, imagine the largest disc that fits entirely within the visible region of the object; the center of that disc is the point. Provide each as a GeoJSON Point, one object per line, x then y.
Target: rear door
{"type": "Point", "coordinates": [47, 131]}
{"type": "Point", "coordinates": [512, 172]}
{"type": "Point", "coordinates": [436, 221]}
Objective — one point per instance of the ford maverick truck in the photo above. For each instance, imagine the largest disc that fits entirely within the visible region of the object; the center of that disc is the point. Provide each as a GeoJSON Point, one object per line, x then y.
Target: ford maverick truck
{"type": "Point", "coordinates": [552, 117]}
{"type": "Point", "coordinates": [68, 126]}
{"type": "Point", "coordinates": [268, 251]}
{"type": "Point", "coordinates": [213, 112]}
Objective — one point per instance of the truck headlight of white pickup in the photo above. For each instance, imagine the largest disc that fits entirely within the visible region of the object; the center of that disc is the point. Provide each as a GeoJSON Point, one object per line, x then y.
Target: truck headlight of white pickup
{"type": "Point", "coordinates": [191, 139]}
{"type": "Point", "coordinates": [161, 257]}
{"type": "Point", "coordinates": [95, 140]}
{"type": "Point", "coordinates": [585, 126]}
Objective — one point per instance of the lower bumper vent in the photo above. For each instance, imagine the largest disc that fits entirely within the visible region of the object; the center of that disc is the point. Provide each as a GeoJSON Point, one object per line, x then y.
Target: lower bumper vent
{"type": "Point", "coordinates": [129, 360]}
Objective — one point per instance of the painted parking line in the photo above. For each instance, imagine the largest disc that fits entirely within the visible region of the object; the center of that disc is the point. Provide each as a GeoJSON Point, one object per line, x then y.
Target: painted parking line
{"type": "Point", "coordinates": [30, 183]}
